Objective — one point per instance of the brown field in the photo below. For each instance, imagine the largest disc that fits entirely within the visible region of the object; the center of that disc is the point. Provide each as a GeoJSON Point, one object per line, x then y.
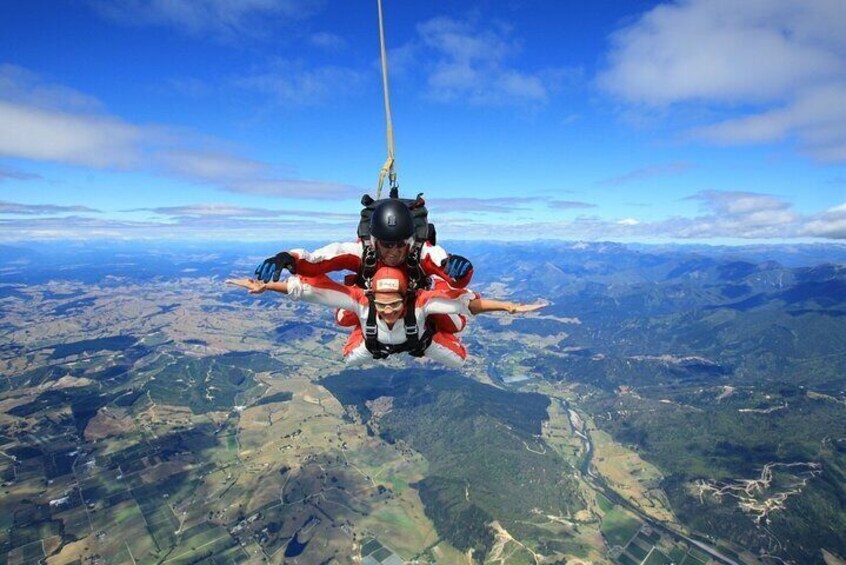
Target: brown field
{"type": "Point", "coordinates": [629, 475]}
{"type": "Point", "coordinates": [109, 422]}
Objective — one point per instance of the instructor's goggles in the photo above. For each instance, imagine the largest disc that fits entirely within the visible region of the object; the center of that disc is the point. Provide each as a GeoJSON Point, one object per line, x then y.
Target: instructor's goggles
{"type": "Point", "coordinates": [393, 244]}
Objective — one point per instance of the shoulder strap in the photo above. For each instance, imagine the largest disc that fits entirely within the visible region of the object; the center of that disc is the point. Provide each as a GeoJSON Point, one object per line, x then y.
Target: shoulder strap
{"type": "Point", "coordinates": [411, 335]}
{"type": "Point", "coordinates": [371, 332]}
{"type": "Point", "coordinates": [417, 278]}
{"type": "Point", "coordinates": [368, 265]}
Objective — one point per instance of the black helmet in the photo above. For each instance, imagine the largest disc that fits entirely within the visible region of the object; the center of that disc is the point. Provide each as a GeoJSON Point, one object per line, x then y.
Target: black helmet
{"type": "Point", "coordinates": [391, 221]}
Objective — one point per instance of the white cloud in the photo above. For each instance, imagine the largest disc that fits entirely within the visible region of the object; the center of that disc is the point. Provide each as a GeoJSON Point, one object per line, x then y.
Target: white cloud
{"type": "Point", "coordinates": [46, 131]}
{"type": "Point", "coordinates": [777, 68]}
{"type": "Point", "coordinates": [221, 228]}
{"type": "Point", "coordinates": [15, 174]}
{"type": "Point", "coordinates": [222, 19]}
{"type": "Point", "coordinates": [468, 62]}
{"type": "Point", "coordinates": [293, 83]}
{"type": "Point", "coordinates": [211, 165]}
{"type": "Point", "coordinates": [724, 215]}
{"type": "Point", "coordinates": [24, 87]}
{"type": "Point", "coordinates": [817, 117]}
{"type": "Point", "coordinates": [327, 41]}
{"type": "Point", "coordinates": [647, 172]}
{"type": "Point", "coordinates": [46, 135]}
{"type": "Point", "coordinates": [727, 203]}
{"type": "Point", "coordinates": [830, 224]}
{"type": "Point", "coordinates": [568, 204]}
{"type": "Point", "coordinates": [13, 208]}
{"type": "Point", "coordinates": [726, 50]}
{"type": "Point", "coordinates": [460, 205]}
{"type": "Point", "coordinates": [211, 210]}
{"type": "Point", "coordinates": [741, 215]}
{"type": "Point", "coordinates": [295, 188]}
{"type": "Point", "coordinates": [231, 211]}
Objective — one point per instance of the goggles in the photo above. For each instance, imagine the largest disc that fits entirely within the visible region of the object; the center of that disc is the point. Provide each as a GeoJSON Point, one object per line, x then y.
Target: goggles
{"type": "Point", "coordinates": [393, 306]}
{"type": "Point", "coordinates": [392, 244]}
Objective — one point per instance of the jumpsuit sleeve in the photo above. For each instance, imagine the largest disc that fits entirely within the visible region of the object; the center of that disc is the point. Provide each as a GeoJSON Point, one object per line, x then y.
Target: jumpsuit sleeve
{"type": "Point", "coordinates": [325, 291]}
{"type": "Point", "coordinates": [451, 301]}
{"type": "Point", "coordinates": [333, 257]}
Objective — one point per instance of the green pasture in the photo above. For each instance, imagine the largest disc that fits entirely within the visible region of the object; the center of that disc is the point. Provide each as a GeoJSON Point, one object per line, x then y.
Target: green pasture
{"type": "Point", "coordinates": [619, 526]}
{"type": "Point", "coordinates": [604, 504]}
{"type": "Point", "coordinates": [103, 486]}
{"type": "Point", "coordinates": [31, 533]}
{"type": "Point", "coordinates": [699, 554]}
{"type": "Point", "coordinates": [636, 551]}
{"type": "Point", "coordinates": [29, 554]}
{"type": "Point", "coordinates": [627, 560]}
{"type": "Point", "coordinates": [202, 541]}
{"type": "Point", "coordinates": [658, 558]}
{"type": "Point", "coordinates": [691, 560]}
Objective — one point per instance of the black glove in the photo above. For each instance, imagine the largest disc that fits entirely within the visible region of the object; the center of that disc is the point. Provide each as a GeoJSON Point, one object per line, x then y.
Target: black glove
{"type": "Point", "coordinates": [457, 267]}
{"type": "Point", "coordinates": [273, 266]}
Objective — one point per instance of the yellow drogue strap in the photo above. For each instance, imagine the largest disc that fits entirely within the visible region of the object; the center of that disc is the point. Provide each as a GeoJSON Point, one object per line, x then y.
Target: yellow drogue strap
{"type": "Point", "coordinates": [388, 168]}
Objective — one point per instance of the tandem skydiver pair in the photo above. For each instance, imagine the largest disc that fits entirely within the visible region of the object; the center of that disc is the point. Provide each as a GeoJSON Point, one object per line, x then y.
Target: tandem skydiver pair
{"type": "Point", "coordinates": [405, 293]}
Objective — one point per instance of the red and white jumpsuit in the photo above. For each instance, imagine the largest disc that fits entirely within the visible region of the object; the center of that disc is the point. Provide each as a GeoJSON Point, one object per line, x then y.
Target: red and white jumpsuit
{"type": "Point", "coordinates": [445, 347]}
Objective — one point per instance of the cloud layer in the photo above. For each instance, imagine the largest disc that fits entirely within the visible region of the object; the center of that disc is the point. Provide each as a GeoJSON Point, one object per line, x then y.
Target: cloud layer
{"type": "Point", "coordinates": [723, 215]}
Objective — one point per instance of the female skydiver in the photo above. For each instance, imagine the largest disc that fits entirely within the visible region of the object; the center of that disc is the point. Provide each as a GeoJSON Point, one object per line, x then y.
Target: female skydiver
{"type": "Point", "coordinates": [389, 288]}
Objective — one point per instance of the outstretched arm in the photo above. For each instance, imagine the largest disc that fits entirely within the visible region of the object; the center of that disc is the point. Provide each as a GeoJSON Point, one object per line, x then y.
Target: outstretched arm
{"type": "Point", "coordinates": [332, 257]}
{"type": "Point", "coordinates": [482, 305]}
{"type": "Point", "coordinates": [318, 290]}
{"type": "Point", "coordinates": [257, 287]}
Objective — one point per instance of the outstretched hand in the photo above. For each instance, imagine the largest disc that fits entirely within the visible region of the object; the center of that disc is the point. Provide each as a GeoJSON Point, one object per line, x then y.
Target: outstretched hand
{"type": "Point", "coordinates": [523, 308]}
{"type": "Point", "coordinates": [254, 286]}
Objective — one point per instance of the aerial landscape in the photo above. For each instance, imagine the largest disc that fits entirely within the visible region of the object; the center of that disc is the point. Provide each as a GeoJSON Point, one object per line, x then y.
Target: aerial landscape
{"type": "Point", "coordinates": [162, 417]}
{"type": "Point", "coordinates": [637, 208]}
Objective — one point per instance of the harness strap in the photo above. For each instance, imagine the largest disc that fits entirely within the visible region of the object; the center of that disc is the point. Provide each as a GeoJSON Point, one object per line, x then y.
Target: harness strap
{"type": "Point", "coordinates": [423, 342]}
{"type": "Point", "coordinates": [388, 168]}
{"type": "Point", "coordinates": [368, 265]}
{"type": "Point", "coordinates": [411, 336]}
{"type": "Point", "coordinates": [417, 278]}
{"type": "Point", "coordinates": [371, 332]}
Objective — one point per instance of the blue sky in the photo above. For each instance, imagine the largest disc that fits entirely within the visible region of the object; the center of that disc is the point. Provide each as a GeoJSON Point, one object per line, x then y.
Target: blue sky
{"type": "Point", "coordinates": [708, 121]}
